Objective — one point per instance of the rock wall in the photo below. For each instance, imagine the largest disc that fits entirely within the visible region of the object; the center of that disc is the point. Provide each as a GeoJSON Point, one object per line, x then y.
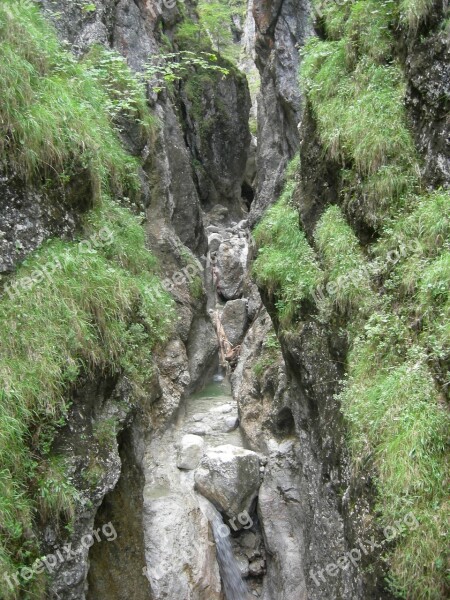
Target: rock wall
{"type": "Point", "coordinates": [312, 509]}
{"type": "Point", "coordinates": [173, 200]}
{"type": "Point", "coordinates": [281, 29]}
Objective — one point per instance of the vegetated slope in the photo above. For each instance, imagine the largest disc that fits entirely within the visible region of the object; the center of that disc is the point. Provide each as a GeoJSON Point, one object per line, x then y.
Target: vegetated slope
{"type": "Point", "coordinates": [376, 265]}
{"type": "Point", "coordinates": [77, 308]}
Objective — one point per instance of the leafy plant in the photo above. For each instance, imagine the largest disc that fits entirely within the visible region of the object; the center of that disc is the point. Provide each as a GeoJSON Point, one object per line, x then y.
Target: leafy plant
{"type": "Point", "coordinates": [175, 66]}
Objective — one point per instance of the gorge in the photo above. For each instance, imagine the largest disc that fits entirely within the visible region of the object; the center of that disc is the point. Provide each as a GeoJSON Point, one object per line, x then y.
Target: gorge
{"type": "Point", "coordinates": [224, 311]}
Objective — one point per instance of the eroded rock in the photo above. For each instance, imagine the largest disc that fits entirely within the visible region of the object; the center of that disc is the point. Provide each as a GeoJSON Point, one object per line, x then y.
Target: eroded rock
{"type": "Point", "coordinates": [229, 477]}
{"type": "Point", "coordinates": [190, 452]}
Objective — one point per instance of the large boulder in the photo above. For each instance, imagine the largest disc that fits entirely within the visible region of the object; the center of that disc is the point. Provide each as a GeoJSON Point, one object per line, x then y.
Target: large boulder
{"type": "Point", "coordinates": [229, 477]}
{"type": "Point", "coordinates": [231, 267]}
{"type": "Point", "coordinates": [234, 320]}
{"type": "Point", "coordinates": [190, 451]}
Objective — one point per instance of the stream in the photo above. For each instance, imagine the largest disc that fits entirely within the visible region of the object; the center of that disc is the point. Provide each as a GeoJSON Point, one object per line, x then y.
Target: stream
{"type": "Point", "coordinates": [169, 496]}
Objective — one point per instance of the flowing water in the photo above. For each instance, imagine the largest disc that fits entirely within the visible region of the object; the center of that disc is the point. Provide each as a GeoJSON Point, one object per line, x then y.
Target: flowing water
{"type": "Point", "coordinates": [233, 584]}
{"type": "Point", "coordinates": [213, 414]}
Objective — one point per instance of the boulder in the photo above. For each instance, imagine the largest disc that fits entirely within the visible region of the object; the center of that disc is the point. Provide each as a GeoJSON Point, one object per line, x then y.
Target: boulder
{"type": "Point", "coordinates": [190, 452]}
{"type": "Point", "coordinates": [229, 477]}
{"type": "Point", "coordinates": [231, 423]}
{"type": "Point", "coordinates": [234, 320]}
{"type": "Point", "coordinates": [231, 268]}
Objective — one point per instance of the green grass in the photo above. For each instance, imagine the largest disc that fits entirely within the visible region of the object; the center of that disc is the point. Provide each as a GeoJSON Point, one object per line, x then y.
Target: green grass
{"type": "Point", "coordinates": [56, 115]}
{"type": "Point", "coordinates": [398, 423]}
{"type": "Point", "coordinates": [97, 311]}
{"type": "Point", "coordinates": [344, 262]}
{"type": "Point", "coordinates": [285, 265]}
{"type": "Point", "coordinates": [413, 12]}
{"type": "Point", "coordinates": [394, 399]}
{"type": "Point", "coordinates": [356, 92]}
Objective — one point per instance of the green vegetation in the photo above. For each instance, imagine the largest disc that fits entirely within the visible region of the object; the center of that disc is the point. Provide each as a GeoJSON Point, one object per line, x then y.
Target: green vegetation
{"type": "Point", "coordinates": [356, 92]}
{"type": "Point", "coordinates": [285, 264]}
{"type": "Point", "coordinates": [270, 352]}
{"type": "Point", "coordinates": [96, 311]}
{"type": "Point", "coordinates": [73, 309]}
{"type": "Point", "coordinates": [176, 66]}
{"type": "Point", "coordinates": [344, 262]}
{"type": "Point", "coordinates": [216, 19]}
{"type": "Point", "coordinates": [391, 298]}
{"type": "Point", "coordinates": [125, 91]}
{"type": "Point", "coordinates": [56, 113]}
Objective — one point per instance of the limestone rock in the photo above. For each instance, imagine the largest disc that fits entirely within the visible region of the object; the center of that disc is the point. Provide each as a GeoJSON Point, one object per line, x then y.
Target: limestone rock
{"type": "Point", "coordinates": [231, 269]}
{"type": "Point", "coordinates": [229, 477]}
{"type": "Point", "coordinates": [190, 452]}
{"type": "Point", "coordinates": [234, 320]}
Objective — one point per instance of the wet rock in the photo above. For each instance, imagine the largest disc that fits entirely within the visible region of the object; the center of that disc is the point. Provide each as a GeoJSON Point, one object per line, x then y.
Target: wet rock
{"type": "Point", "coordinates": [257, 567]}
{"type": "Point", "coordinates": [229, 477]}
{"type": "Point", "coordinates": [199, 429]}
{"type": "Point", "coordinates": [231, 269]}
{"type": "Point", "coordinates": [231, 423]}
{"type": "Point", "coordinates": [179, 552]}
{"type": "Point", "coordinates": [223, 408]}
{"type": "Point", "coordinates": [202, 347]}
{"type": "Point", "coordinates": [234, 320]}
{"type": "Point", "coordinates": [190, 452]}
{"type": "Point", "coordinates": [248, 540]}
{"type": "Point", "coordinates": [214, 242]}
{"type": "Point", "coordinates": [199, 417]}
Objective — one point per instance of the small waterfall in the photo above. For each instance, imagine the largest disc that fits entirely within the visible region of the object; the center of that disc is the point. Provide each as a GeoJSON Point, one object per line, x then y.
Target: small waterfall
{"type": "Point", "coordinates": [233, 584]}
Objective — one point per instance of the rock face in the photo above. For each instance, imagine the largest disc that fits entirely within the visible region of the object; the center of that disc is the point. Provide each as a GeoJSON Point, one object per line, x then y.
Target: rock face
{"type": "Point", "coordinates": [428, 73]}
{"type": "Point", "coordinates": [231, 268]}
{"type": "Point", "coordinates": [213, 133]}
{"type": "Point", "coordinates": [299, 503]}
{"type": "Point", "coordinates": [31, 216]}
{"type": "Point", "coordinates": [281, 29]}
{"type": "Point", "coordinates": [229, 477]}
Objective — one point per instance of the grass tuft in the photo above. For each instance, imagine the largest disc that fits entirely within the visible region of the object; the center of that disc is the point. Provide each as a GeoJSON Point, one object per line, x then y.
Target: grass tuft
{"type": "Point", "coordinates": [285, 264]}
{"type": "Point", "coordinates": [57, 115]}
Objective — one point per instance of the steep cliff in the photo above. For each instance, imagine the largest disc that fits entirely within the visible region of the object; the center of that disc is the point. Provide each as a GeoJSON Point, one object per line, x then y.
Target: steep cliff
{"type": "Point", "coordinates": [351, 267]}
{"type": "Point", "coordinates": [95, 359]}
{"type": "Point", "coordinates": [130, 179]}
